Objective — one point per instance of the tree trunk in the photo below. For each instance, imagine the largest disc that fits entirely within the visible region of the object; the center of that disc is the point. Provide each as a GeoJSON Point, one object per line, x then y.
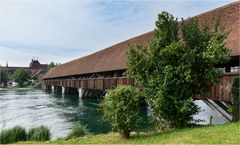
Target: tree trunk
{"type": "Point", "coordinates": [126, 134]}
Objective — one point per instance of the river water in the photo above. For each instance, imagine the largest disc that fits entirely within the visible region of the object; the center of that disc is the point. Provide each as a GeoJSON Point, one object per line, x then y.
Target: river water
{"type": "Point", "coordinates": [31, 108]}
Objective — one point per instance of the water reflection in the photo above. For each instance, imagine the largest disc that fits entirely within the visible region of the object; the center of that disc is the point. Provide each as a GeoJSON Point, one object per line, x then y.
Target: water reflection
{"type": "Point", "coordinates": [206, 113]}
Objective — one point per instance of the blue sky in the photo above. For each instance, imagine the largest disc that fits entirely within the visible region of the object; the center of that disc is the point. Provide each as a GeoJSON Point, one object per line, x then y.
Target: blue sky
{"type": "Point", "coordinates": [63, 30]}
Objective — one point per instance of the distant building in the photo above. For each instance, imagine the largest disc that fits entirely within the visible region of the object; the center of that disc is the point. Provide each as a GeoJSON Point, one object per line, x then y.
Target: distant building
{"type": "Point", "coordinates": [35, 69]}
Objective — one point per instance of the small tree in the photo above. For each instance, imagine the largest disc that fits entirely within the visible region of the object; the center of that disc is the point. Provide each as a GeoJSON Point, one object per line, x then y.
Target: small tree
{"type": "Point", "coordinates": [21, 76]}
{"type": "Point", "coordinates": [121, 107]}
{"type": "Point", "coordinates": [178, 65]}
{"type": "Point", "coordinates": [3, 76]}
{"type": "Point", "coordinates": [236, 99]}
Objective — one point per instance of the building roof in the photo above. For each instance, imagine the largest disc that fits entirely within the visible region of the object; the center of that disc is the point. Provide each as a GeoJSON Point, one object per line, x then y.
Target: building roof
{"type": "Point", "coordinates": [35, 64]}
{"type": "Point", "coordinates": [34, 67]}
{"type": "Point", "coordinates": [109, 59]}
{"type": "Point", "coordinates": [115, 57]}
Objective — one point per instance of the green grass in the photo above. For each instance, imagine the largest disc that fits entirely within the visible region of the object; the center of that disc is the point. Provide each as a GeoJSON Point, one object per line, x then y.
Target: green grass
{"type": "Point", "coordinates": [13, 135]}
{"type": "Point", "coordinates": [78, 130]}
{"type": "Point", "coordinates": [218, 134]}
{"type": "Point", "coordinates": [41, 133]}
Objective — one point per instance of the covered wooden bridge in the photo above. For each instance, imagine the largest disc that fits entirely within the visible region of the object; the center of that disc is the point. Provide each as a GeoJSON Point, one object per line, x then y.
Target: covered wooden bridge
{"type": "Point", "coordinates": [93, 74]}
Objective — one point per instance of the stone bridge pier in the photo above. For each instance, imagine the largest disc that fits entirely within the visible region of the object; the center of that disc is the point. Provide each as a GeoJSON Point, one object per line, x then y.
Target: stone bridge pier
{"type": "Point", "coordinates": [85, 88]}
{"type": "Point", "coordinates": [82, 93]}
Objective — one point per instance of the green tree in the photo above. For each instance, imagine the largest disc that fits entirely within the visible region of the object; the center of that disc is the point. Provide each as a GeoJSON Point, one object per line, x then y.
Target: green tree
{"type": "Point", "coordinates": [236, 99]}
{"type": "Point", "coordinates": [121, 107]}
{"type": "Point", "coordinates": [21, 76]}
{"type": "Point", "coordinates": [177, 66]}
{"type": "Point", "coordinates": [3, 76]}
{"type": "Point", "coordinates": [52, 65]}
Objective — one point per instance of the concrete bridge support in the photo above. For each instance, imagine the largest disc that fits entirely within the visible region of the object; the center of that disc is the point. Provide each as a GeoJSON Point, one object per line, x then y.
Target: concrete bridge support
{"type": "Point", "coordinates": [63, 90]}
{"type": "Point", "coordinates": [58, 89]}
{"type": "Point", "coordinates": [53, 88]}
{"type": "Point", "coordinates": [81, 92]}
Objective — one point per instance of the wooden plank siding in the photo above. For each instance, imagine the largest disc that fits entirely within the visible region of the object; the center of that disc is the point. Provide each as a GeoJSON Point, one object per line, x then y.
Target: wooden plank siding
{"type": "Point", "coordinates": [91, 83]}
{"type": "Point", "coordinates": [220, 92]}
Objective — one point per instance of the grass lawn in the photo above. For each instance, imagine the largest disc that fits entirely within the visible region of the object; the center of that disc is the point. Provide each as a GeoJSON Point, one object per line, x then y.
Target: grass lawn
{"type": "Point", "coordinates": [217, 134]}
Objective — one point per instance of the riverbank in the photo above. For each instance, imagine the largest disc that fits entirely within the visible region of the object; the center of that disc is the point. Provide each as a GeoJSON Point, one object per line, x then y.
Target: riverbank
{"type": "Point", "coordinates": [26, 87]}
{"type": "Point", "coordinates": [216, 134]}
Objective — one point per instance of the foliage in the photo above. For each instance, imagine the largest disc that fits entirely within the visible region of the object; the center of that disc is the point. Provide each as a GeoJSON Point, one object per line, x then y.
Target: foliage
{"type": "Point", "coordinates": [236, 99]}
{"type": "Point", "coordinates": [13, 135]}
{"type": "Point", "coordinates": [121, 107]}
{"type": "Point", "coordinates": [34, 78]}
{"type": "Point", "coordinates": [78, 130]}
{"type": "Point", "coordinates": [3, 76]}
{"type": "Point", "coordinates": [21, 76]}
{"type": "Point", "coordinates": [178, 65]}
{"type": "Point", "coordinates": [41, 133]}
{"type": "Point", "coordinates": [52, 65]}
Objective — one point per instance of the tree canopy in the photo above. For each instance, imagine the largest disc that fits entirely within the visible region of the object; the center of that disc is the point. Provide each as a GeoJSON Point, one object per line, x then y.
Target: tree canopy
{"type": "Point", "coordinates": [3, 76]}
{"type": "Point", "coordinates": [21, 76]}
{"type": "Point", "coordinates": [178, 65]}
{"type": "Point", "coordinates": [52, 65]}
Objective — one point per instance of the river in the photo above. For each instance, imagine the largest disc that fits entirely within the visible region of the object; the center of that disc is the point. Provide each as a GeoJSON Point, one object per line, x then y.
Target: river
{"type": "Point", "coordinates": [31, 108]}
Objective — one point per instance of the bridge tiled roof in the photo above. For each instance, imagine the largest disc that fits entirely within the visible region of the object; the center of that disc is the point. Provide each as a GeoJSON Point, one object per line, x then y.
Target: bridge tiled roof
{"type": "Point", "coordinates": [115, 57]}
{"type": "Point", "coordinates": [109, 59]}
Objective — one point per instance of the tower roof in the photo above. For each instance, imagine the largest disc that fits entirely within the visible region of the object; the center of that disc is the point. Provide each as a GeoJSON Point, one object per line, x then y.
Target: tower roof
{"type": "Point", "coordinates": [34, 64]}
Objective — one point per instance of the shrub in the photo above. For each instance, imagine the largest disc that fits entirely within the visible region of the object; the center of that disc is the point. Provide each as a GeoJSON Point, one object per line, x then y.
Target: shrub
{"type": "Point", "coordinates": [236, 99]}
{"type": "Point", "coordinates": [121, 107]}
{"type": "Point", "coordinates": [6, 136]}
{"type": "Point", "coordinates": [41, 133]}
{"type": "Point", "coordinates": [78, 130]}
{"type": "Point", "coordinates": [13, 135]}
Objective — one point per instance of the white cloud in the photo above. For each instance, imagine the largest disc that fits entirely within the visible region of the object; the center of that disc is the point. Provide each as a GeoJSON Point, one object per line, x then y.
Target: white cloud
{"type": "Point", "coordinates": [61, 30]}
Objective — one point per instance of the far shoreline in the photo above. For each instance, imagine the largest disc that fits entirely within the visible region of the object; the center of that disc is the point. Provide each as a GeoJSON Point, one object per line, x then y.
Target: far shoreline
{"type": "Point", "coordinates": [22, 88]}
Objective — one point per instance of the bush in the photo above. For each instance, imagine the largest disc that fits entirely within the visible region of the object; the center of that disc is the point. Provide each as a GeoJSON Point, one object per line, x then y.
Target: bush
{"type": "Point", "coordinates": [236, 99]}
{"type": "Point", "coordinates": [41, 133]}
{"type": "Point", "coordinates": [78, 130]}
{"type": "Point", "coordinates": [13, 135]}
{"type": "Point", "coordinates": [121, 107]}
{"type": "Point", "coordinates": [5, 136]}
